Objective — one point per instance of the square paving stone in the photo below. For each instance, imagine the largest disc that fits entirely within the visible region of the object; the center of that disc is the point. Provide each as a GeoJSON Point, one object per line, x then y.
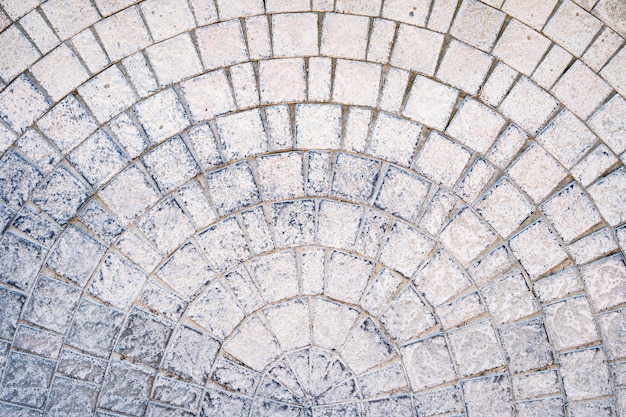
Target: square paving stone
{"type": "Point", "coordinates": [144, 337]}
{"type": "Point", "coordinates": [95, 328]}
{"type": "Point", "coordinates": [11, 303]}
{"type": "Point", "coordinates": [26, 380]}
{"type": "Point", "coordinates": [69, 397]}
{"type": "Point", "coordinates": [20, 259]}
{"type": "Point", "coordinates": [52, 304]}
{"type": "Point", "coordinates": [191, 354]}
{"type": "Point", "coordinates": [18, 178]}
{"type": "Point", "coordinates": [171, 164]}
{"type": "Point", "coordinates": [233, 188]}
{"type": "Point", "coordinates": [526, 346]}
{"type": "Point", "coordinates": [126, 388]}
{"type": "Point", "coordinates": [98, 158]}
{"type": "Point", "coordinates": [61, 195]}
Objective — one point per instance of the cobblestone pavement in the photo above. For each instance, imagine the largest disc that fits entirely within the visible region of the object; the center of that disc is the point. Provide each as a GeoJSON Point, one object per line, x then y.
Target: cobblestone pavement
{"type": "Point", "coordinates": [312, 208]}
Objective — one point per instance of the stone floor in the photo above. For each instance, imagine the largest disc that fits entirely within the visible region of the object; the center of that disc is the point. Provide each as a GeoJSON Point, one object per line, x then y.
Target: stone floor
{"type": "Point", "coordinates": [312, 208]}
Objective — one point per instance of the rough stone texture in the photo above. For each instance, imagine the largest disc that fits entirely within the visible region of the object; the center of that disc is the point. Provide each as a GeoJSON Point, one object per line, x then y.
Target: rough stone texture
{"type": "Point", "coordinates": [312, 208]}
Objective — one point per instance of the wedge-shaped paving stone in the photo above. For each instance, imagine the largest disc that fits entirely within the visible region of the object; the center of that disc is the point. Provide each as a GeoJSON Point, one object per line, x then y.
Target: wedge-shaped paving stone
{"type": "Point", "coordinates": [174, 59]}
{"type": "Point", "coordinates": [293, 222]}
{"type": "Point", "coordinates": [10, 310]}
{"type": "Point", "coordinates": [318, 126]}
{"type": "Point", "coordinates": [69, 397]}
{"type": "Point", "coordinates": [567, 138]}
{"type": "Point", "coordinates": [402, 193]}
{"type": "Point", "coordinates": [347, 277]}
{"type": "Point", "coordinates": [224, 244]}
{"type": "Point", "coordinates": [208, 95]}
{"type": "Point", "coordinates": [608, 196]}
{"type": "Point", "coordinates": [383, 381]}
{"type": "Point", "coordinates": [216, 310]}
{"type": "Point", "coordinates": [405, 249]}
{"type": "Point", "coordinates": [59, 72]}
{"type": "Point", "coordinates": [107, 94]}
{"type": "Point", "coordinates": [186, 271]}
{"type": "Point", "coordinates": [475, 125]}
{"type": "Point", "coordinates": [331, 323]}
{"type": "Point", "coordinates": [98, 158]}
{"type": "Point", "coordinates": [95, 328]}
{"type": "Point", "coordinates": [366, 346]}
{"type": "Point", "coordinates": [338, 223]}
{"type": "Point", "coordinates": [221, 44]}
{"type": "Point", "coordinates": [440, 279]}
{"type": "Point", "coordinates": [26, 380]}
{"type": "Point", "coordinates": [126, 388]}
{"type": "Point", "coordinates": [161, 115]}
{"type": "Point", "coordinates": [117, 281]}
{"type": "Point", "coordinates": [416, 49]}
{"type": "Point", "coordinates": [475, 348]}
{"type": "Point", "coordinates": [528, 105]}
{"type": "Point", "coordinates": [488, 397]}
{"type": "Point", "coordinates": [526, 346]}
{"type": "Point", "coordinates": [605, 281]}
{"type": "Point", "coordinates": [572, 27]}
{"type": "Point", "coordinates": [538, 249]}
{"type": "Point", "coordinates": [167, 18]}
{"type": "Point", "coordinates": [571, 212]}
{"type": "Point", "coordinates": [571, 323]}
{"type": "Point", "coordinates": [318, 173]}
{"type": "Point", "coordinates": [536, 172]}
{"type": "Point", "coordinates": [405, 136]}
{"type": "Point", "coordinates": [276, 275]}
{"type": "Point", "coordinates": [356, 82]}
{"type": "Point", "coordinates": [130, 181]}
{"type": "Point", "coordinates": [581, 100]}
{"type": "Point", "coordinates": [190, 354]}
{"type": "Point", "coordinates": [455, 67]}
{"type": "Point", "coordinates": [428, 363]}
{"type": "Point", "coordinates": [67, 124]}
{"type": "Point", "coordinates": [75, 255]}
{"type": "Point", "coordinates": [442, 160]}
{"type": "Point", "coordinates": [430, 102]}
{"type": "Point", "coordinates": [407, 316]}
{"type": "Point", "coordinates": [521, 47]}
{"type": "Point", "coordinates": [153, 333]}
{"type": "Point", "coordinates": [355, 177]}
{"type": "Point", "coordinates": [69, 18]}
{"type": "Point", "coordinates": [22, 103]}
{"type": "Point", "coordinates": [291, 323]}
{"type": "Point", "coordinates": [477, 24]}
{"type": "Point", "coordinates": [18, 178]}
{"type": "Point", "coordinates": [171, 164]}
{"type": "Point", "coordinates": [242, 134]}
{"type": "Point", "coordinates": [467, 236]}
{"type": "Point", "coordinates": [281, 176]}
{"type": "Point", "coordinates": [233, 188]}
{"type": "Point", "coordinates": [51, 304]}
{"type": "Point", "coordinates": [166, 225]}
{"type": "Point", "coordinates": [608, 123]}
{"type": "Point", "coordinates": [123, 33]}
{"type": "Point", "coordinates": [504, 207]}
{"type": "Point", "coordinates": [253, 333]}
{"type": "Point", "coordinates": [295, 34]}
{"type": "Point", "coordinates": [585, 374]}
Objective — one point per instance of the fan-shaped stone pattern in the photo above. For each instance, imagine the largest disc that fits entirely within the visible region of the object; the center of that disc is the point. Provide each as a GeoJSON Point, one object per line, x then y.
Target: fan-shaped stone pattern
{"type": "Point", "coordinates": [183, 180]}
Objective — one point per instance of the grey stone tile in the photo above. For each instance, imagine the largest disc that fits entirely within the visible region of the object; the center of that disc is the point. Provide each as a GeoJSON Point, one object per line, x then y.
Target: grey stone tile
{"type": "Point", "coordinates": [94, 328]}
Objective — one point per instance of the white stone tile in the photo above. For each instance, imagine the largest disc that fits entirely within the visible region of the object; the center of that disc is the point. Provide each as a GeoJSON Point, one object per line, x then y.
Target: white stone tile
{"type": "Point", "coordinates": [123, 33]}
{"type": "Point", "coordinates": [16, 8]}
{"type": "Point", "coordinates": [559, 317]}
{"type": "Point", "coordinates": [534, 13]}
{"type": "Point", "coordinates": [140, 74]}
{"type": "Point", "coordinates": [442, 160]}
{"type": "Point", "coordinates": [344, 36]}
{"type": "Point", "coordinates": [229, 9]}
{"type": "Point", "coordinates": [509, 299]}
{"type": "Point", "coordinates": [208, 95]}
{"type": "Point", "coordinates": [162, 115]}
{"type": "Point", "coordinates": [279, 130]}
{"type": "Point", "coordinates": [602, 49]}
{"type": "Point", "coordinates": [613, 72]}
{"type": "Point", "coordinates": [521, 47]}
{"type": "Point", "coordinates": [90, 51]}
{"type": "Point", "coordinates": [596, 163]}
{"type": "Point", "coordinates": [572, 27]}
{"type": "Point", "coordinates": [402, 193]}
{"type": "Point", "coordinates": [407, 11]}
{"type": "Point", "coordinates": [581, 90]}
{"type": "Point", "coordinates": [464, 67]}
{"type": "Point", "coordinates": [476, 349]}
{"type": "Point", "coordinates": [608, 195]}
{"type": "Point", "coordinates": [371, 8]}
{"type": "Point", "coordinates": [39, 31]}
{"type": "Point", "coordinates": [128, 135]}
{"type": "Point", "coordinates": [605, 281]}
{"type": "Point", "coordinates": [108, 7]}
{"type": "Point", "coordinates": [338, 223]}
{"type": "Point", "coordinates": [475, 125]}
{"type": "Point", "coordinates": [319, 78]}
{"type": "Point", "coordinates": [295, 34]}
{"type": "Point", "coordinates": [394, 139]}
{"type": "Point", "coordinates": [356, 82]}
{"type": "Point", "coordinates": [536, 172]}
{"type": "Point", "coordinates": [610, 124]}
{"type": "Point", "coordinates": [242, 134]}
{"type": "Point", "coordinates": [593, 246]}
{"type": "Point", "coordinates": [281, 175]}
{"type": "Point", "coordinates": [107, 94]}
{"type": "Point", "coordinates": [282, 80]}
{"type": "Point", "coordinates": [381, 39]}
{"type": "Point", "coordinates": [559, 285]}
{"type": "Point", "coordinates": [528, 105]}
{"type": "Point", "coordinates": [355, 178]}
{"type": "Point", "coordinates": [174, 59]}
{"type": "Point", "coordinates": [59, 72]}
{"type": "Point", "coordinates": [538, 249]}
{"type": "Point", "coordinates": [477, 24]}
{"type": "Point", "coordinates": [467, 236]}
{"type": "Point", "coordinates": [170, 164]}
{"type": "Point", "coordinates": [166, 18]}
{"type": "Point", "coordinates": [221, 44]}
{"type": "Point", "coordinates": [286, 6]}
{"type": "Point", "coordinates": [98, 159]}
{"type": "Point", "coordinates": [258, 35]}
{"type": "Point", "coordinates": [394, 89]}
{"type": "Point", "coordinates": [38, 150]}
{"type": "Point", "coordinates": [244, 85]}
{"type": "Point", "coordinates": [441, 15]}
{"type": "Point", "coordinates": [504, 207]}
{"type": "Point", "coordinates": [318, 126]}
{"type": "Point", "coordinates": [358, 121]}
{"type": "Point", "coordinates": [552, 67]}
{"type": "Point", "coordinates": [498, 84]}
{"type": "Point", "coordinates": [477, 177]}
{"type": "Point", "coordinates": [16, 53]}
{"type": "Point", "coordinates": [605, 11]}
{"type": "Point", "coordinates": [67, 124]}
{"type": "Point", "coordinates": [205, 11]}
{"type": "Point", "coordinates": [69, 17]}
{"type": "Point", "coordinates": [567, 138]}
{"type": "Point", "coordinates": [204, 147]}
{"type": "Point", "coordinates": [430, 103]}
{"type": "Point", "coordinates": [405, 249]}
{"type": "Point", "coordinates": [416, 49]}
